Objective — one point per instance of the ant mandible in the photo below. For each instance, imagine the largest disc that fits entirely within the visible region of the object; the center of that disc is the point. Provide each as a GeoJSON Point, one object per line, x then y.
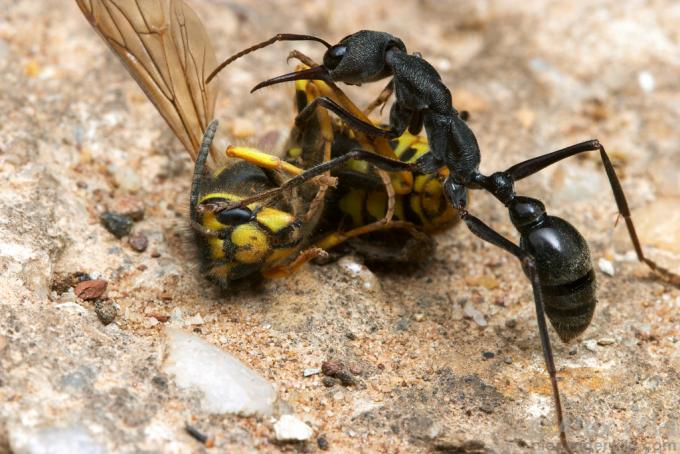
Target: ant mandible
{"type": "Point", "coordinates": [554, 255]}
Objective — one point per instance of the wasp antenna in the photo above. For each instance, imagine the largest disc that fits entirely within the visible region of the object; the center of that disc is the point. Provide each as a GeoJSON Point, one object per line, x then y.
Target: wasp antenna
{"type": "Point", "coordinates": [279, 37]}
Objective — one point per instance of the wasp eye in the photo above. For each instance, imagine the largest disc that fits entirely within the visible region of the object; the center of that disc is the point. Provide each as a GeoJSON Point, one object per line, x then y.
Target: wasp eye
{"type": "Point", "coordinates": [333, 56]}
{"type": "Point", "coordinates": [236, 216]}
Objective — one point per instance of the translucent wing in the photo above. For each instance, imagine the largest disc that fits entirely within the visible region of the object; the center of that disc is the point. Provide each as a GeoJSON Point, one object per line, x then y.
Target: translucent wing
{"type": "Point", "coordinates": [165, 47]}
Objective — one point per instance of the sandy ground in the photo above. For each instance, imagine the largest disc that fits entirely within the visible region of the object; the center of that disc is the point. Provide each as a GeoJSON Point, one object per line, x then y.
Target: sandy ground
{"type": "Point", "coordinates": [77, 137]}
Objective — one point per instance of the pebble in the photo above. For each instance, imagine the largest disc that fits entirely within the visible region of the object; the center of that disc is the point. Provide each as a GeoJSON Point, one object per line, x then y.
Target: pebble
{"type": "Point", "coordinates": [328, 382]}
{"type": "Point", "coordinates": [511, 323]}
{"type": "Point", "coordinates": [311, 371]}
{"type": "Point", "coordinates": [507, 360]}
{"type": "Point", "coordinates": [242, 128]}
{"type": "Point", "coordinates": [106, 311]}
{"type": "Point", "coordinates": [126, 178]}
{"type": "Point", "coordinates": [138, 242]}
{"type": "Point", "coordinates": [292, 428]}
{"type": "Point", "coordinates": [332, 367]}
{"type": "Point", "coordinates": [117, 224]}
{"type": "Point", "coordinates": [322, 442]}
{"type": "Point", "coordinates": [57, 440]}
{"type": "Point", "coordinates": [471, 311]}
{"type": "Point", "coordinates": [488, 355]}
{"type": "Point", "coordinates": [91, 290]}
{"type": "Point", "coordinates": [590, 345]}
{"type": "Point", "coordinates": [606, 266]}
{"type": "Point", "coordinates": [228, 385]}
{"type": "Point", "coordinates": [129, 206]}
{"type": "Point", "coordinates": [606, 341]}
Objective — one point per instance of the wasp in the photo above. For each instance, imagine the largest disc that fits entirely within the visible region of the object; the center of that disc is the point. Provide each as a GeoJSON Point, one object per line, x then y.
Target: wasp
{"type": "Point", "coordinates": [259, 214]}
{"type": "Point", "coordinates": [554, 255]}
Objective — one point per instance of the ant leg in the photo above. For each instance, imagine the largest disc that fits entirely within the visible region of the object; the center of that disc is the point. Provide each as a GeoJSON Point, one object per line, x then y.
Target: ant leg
{"type": "Point", "coordinates": [486, 233]}
{"type": "Point", "coordinates": [390, 165]}
{"type": "Point", "coordinates": [531, 166]}
{"type": "Point", "coordinates": [353, 121]}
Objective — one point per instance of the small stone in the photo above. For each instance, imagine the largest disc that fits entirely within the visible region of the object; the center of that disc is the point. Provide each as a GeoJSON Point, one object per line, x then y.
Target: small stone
{"type": "Point", "coordinates": [590, 345]}
{"type": "Point", "coordinates": [91, 290]}
{"type": "Point", "coordinates": [351, 336]}
{"type": "Point", "coordinates": [346, 378]}
{"type": "Point", "coordinates": [75, 439]}
{"type": "Point", "coordinates": [291, 428]}
{"type": "Point", "coordinates": [138, 241]}
{"type": "Point", "coordinates": [125, 178]}
{"type": "Point", "coordinates": [606, 341]}
{"type": "Point", "coordinates": [606, 266]}
{"type": "Point", "coordinates": [573, 350]}
{"type": "Point", "coordinates": [471, 312]}
{"type": "Point", "coordinates": [419, 317]}
{"type": "Point", "coordinates": [129, 206]}
{"type": "Point", "coordinates": [328, 382]}
{"type": "Point", "coordinates": [486, 408]}
{"type": "Point", "coordinates": [485, 281]}
{"type": "Point", "coordinates": [228, 385]}
{"type": "Point", "coordinates": [311, 371]}
{"type": "Point", "coordinates": [322, 442]}
{"type": "Point", "coordinates": [488, 355]}
{"type": "Point", "coordinates": [510, 323]}
{"type": "Point", "coordinates": [242, 128]}
{"type": "Point", "coordinates": [106, 311]}
{"type": "Point", "coordinates": [507, 360]}
{"type": "Point", "coordinates": [117, 224]}
{"type": "Point", "coordinates": [331, 368]}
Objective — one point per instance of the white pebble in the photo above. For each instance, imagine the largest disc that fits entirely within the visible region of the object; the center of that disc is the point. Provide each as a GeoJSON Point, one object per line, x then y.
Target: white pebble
{"type": "Point", "coordinates": [291, 428]}
{"type": "Point", "coordinates": [606, 266]}
{"type": "Point", "coordinates": [311, 371]}
{"type": "Point", "coordinates": [53, 440]}
{"type": "Point", "coordinates": [470, 311]}
{"type": "Point", "coordinates": [646, 81]}
{"type": "Point", "coordinates": [228, 386]}
{"type": "Point", "coordinates": [590, 344]}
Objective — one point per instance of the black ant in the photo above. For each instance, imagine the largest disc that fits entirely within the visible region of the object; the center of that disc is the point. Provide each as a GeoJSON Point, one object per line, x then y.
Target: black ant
{"type": "Point", "coordinates": [554, 255]}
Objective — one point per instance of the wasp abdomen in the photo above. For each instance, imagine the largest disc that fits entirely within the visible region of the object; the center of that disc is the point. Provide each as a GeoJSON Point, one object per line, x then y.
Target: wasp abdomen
{"type": "Point", "coordinates": [563, 263]}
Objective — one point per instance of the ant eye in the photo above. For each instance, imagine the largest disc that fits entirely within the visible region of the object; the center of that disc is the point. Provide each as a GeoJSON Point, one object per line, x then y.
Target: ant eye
{"type": "Point", "coordinates": [237, 216]}
{"type": "Point", "coordinates": [333, 56]}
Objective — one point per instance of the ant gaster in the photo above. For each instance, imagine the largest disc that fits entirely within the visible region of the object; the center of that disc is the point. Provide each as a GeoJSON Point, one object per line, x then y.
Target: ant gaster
{"type": "Point", "coordinates": [553, 254]}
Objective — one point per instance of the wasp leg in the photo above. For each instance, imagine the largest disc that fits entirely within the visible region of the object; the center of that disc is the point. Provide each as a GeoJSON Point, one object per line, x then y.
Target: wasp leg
{"type": "Point", "coordinates": [281, 271]}
{"type": "Point", "coordinates": [382, 98]}
{"type": "Point", "coordinates": [334, 239]}
{"type": "Point", "coordinates": [531, 166]}
{"type": "Point", "coordinates": [486, 233]}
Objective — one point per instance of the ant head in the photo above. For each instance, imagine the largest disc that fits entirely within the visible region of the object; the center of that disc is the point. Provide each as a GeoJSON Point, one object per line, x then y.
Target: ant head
{"type": "Point", "coordinates": [361, 57]}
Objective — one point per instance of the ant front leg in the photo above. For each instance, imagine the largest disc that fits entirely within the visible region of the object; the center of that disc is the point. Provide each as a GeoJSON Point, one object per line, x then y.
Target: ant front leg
{"type": "Point", "coordinates": [345, 115]}
{"type": "Point", "coordinates": [534, 165]}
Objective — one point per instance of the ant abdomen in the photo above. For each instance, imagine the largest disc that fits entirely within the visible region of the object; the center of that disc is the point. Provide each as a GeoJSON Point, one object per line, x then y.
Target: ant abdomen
{"type": "Point", "coordinates": [563, 263]}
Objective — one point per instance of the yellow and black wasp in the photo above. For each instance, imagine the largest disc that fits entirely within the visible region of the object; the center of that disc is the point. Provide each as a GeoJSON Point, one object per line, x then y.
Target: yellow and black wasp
{"type": "Point", "coordinates": [258, 213]}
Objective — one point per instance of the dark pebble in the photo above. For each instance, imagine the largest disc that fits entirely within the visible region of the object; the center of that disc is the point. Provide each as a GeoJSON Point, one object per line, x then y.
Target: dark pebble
{"type": "Point", "coordinates": [328, 382]}
{"type": "Point", "coordinates": [573, 350]}
{"type": "Point", "coordinates": [332, 368]}
{"type": "Point", "coordinates": [90, 290]}
{"type": "Point", "coordinates": [486, 408]}
{"type": "Point", "coordinates": [351, 336]}
{"type": "Point", "coordinates": [106, 311]}
{"type": "Point", "coordinates": [346, 378]}
{"type": "Point", "coordinates": [138, 241]}
{"type": "Point", "coordinates": [511, 323]}
{"type": "Point", "coordinates": [488, 355]}
{"type": "Point", "coordinates": [322, 442]}
{"type": "Point", "coordinates": [118, 224]}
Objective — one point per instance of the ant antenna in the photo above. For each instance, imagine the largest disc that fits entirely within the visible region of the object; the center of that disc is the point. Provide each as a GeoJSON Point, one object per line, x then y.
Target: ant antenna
{"type": "Point", "coordinates": [279, 37]}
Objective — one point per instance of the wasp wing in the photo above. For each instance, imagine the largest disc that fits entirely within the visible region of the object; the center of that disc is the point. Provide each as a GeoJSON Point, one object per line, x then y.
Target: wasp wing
{"type": "Point", "coordinates": [165, 47]}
